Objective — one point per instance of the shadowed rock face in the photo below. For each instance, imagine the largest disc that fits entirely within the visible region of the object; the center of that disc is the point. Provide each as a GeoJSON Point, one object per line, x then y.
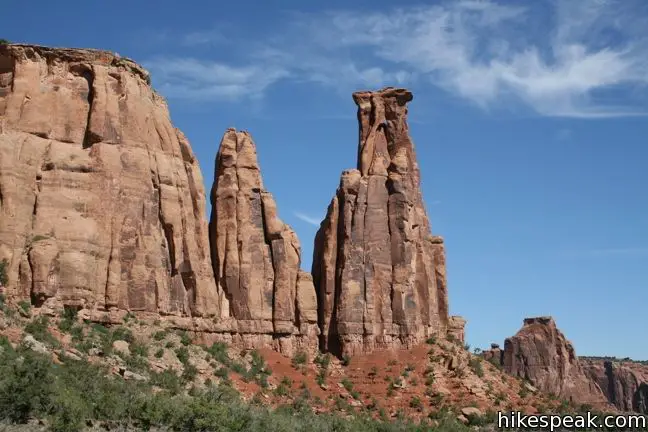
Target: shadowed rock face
{"type": "Point", "coordinates": [624, 383]}
{"type": "Point", "coordinates": [540, 353]}
{"type": "Point", "coordinates": [101, 198]}
{"type": "Point", "coordinates": [379, 273]}
{"type": "Point", "coordinates": [255, 256]}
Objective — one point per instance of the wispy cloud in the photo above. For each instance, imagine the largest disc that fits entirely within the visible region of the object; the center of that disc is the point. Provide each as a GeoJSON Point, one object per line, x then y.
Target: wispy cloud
{"type": "Point", "coordinates": [566, 58]}
{"type": "Point", "coordinates": [190, 78]}
{"type": "Point", "coordinates": [308, 219]}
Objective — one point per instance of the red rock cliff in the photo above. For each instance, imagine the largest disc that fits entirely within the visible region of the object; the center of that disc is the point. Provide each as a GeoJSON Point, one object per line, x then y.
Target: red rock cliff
{"type": "Point", "coordinates": [540, 353]}
{"type": "Point", "coordinates": [256, 257]}
{"type": "Point", "coordinates": [101, 198]}
{"type": "Point", "coordinates": [624, 383]}
{"type": "Point", "coordinates": [378, 271]}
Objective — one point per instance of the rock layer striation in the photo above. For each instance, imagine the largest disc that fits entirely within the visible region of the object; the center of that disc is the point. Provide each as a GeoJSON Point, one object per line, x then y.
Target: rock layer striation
{"type": "Point", "coordinates": [101, 198]}
{"type": "Point", "coordinates": [256, 257]}
{"type": "Point", "coordinates": [379, 273]}
{"type": "Point", "coordinates": [540, 353]}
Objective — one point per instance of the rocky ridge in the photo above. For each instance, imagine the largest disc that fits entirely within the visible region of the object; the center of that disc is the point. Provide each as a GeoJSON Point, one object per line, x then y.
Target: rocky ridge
{"type": "Point", "coordinates": [540, 353]}
{"type": "Point", "coordinates": [379, 273]}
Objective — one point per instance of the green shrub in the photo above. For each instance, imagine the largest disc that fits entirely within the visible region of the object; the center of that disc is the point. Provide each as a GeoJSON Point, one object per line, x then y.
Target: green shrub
{"type": "Point", "coordinates": [122, 333]}
{"type": "Point", "coordinates": [348, 385]}
{"type": "Point", "coordinates": [346, 360]}
{"type": "Point", "coordinates": [300, 358]}
{"type": "Point", "coordinates": [159, 335]}
{"type": "Point", "coordinates": [25, 306]}
{"type": "Point", "coordinates": [4, 264]}
{"type": "Point", "coordinates": [159, 353]}
{"type": "Point", "coordinates": [38, 327]}
{"type": "Point", "coordinates": [218, 351]}
{"type": "Point", "coordinates": [476, 365]}
{"type": "Point", "coordinates": [183, 355]}
{"type": "Point", "coordinates": [185, 339]}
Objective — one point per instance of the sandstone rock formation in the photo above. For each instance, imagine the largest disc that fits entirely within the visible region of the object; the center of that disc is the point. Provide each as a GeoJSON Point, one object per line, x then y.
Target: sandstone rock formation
{"type": "Point", "coordinates": [495, 355]}
{"type": "Point", "coordinates": [379, 273]}
{"type": "Point", "coordinates": [624, 383]}
{"type": "Point", "coordinates": [540, 353]}
{"type": "Point", "coordinates": [457, 328]}
{"type": "Point", "coordinates": [256, 257]}
{"type": "Point", "coordinates": [101, 198]}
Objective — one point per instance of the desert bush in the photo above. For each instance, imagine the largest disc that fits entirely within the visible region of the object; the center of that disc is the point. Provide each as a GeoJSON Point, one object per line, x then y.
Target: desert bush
{"type": "Point", "coordinates": [4, 264]}
{"type": "Point", "coordinates": [300, 358]}
{"type": "Point", "coordinates": [69, 394]}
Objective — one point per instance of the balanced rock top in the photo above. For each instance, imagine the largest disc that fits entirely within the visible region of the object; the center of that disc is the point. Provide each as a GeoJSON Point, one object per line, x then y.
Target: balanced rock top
{"type": "Point", "coordinates": [379, 273]}
{"type": "Point", "coordinates": [101, 197]}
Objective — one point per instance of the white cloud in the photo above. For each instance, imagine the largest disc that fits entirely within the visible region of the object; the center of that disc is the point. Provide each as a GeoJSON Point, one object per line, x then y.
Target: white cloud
{"type": "Point", "coordinates": [308, 219]}
{"type": "Point", "coordinates": [567, 58]}
{"type": "Point", "coordinates": [190, 78]}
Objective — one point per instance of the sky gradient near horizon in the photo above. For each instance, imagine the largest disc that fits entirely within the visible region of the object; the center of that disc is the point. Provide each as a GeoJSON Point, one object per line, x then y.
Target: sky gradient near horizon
{"type": "Point", "coordinates": [529, 119]}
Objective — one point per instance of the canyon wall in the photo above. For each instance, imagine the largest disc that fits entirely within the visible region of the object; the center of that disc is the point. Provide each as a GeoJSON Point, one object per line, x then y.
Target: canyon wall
{"type": "Point", "coordinates": [624, 383]}
{"type": "Point", "coordinates": [101, 198]}
{"type": "Point", "coordinates": [379, 273]}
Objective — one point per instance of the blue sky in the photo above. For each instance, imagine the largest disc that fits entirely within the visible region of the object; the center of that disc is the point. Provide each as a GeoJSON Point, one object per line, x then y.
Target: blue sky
{"type": "Point", "coordinates": [529, 120]}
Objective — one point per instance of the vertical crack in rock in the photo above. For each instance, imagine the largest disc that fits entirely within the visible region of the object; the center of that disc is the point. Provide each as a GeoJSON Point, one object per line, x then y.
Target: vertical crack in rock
{"type": "Point", "coordinates": [89, 137]}
{"type": "Point", "coordinates": [385, 292]}
{"type": "Point", "coordinates": [624, 382]}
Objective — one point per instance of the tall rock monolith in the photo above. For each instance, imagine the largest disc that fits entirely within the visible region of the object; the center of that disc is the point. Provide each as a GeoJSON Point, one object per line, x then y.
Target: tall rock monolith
{"type": "Point", "coordinates": [256, 257]}
{"type": "Point", "coordinates": [379, 273]}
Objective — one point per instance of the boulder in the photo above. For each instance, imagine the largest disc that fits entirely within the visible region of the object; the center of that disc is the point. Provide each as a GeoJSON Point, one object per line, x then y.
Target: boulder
{"type": "Point", "coordinates": [121, 347]}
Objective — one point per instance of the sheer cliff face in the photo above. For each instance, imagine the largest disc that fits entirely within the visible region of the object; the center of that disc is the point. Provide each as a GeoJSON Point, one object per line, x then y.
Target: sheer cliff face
{"type": "Point", "coordinates": [624, 383]}
{"type": "Point", "coordinates": [540, 353]}
{"type": "Point", "coordinates": [255, 256]}
{"type": "Point", "coordinates": [101, 199]}
{"type": "Point", "coordinates": [379, 273]}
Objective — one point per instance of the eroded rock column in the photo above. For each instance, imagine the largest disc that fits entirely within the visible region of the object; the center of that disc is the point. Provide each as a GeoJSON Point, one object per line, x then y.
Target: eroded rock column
{"type": "Point", "coordinates": [379, 273]}
{"type": "Point", "coordinates": [256, 257]}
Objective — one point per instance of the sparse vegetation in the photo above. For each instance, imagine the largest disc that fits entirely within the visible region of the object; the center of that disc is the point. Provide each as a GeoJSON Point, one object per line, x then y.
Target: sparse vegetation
{"type": "Point", "coordinates": [299, 359]}
{"type": "Point", "coordinates": [476, 366]}
{"type": "Point", "coordinates": [348, 385]}
{"type": "Point", "coordinates": [38, 328]}
{"type": "Point", "coordinates": [25, 307]}
{"type": "Point", "coordinates": [4, 42]}
{"type": "Point", "coordinates": [346, 360]}
{"type": "Point", "coordinates": [4, 264]}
